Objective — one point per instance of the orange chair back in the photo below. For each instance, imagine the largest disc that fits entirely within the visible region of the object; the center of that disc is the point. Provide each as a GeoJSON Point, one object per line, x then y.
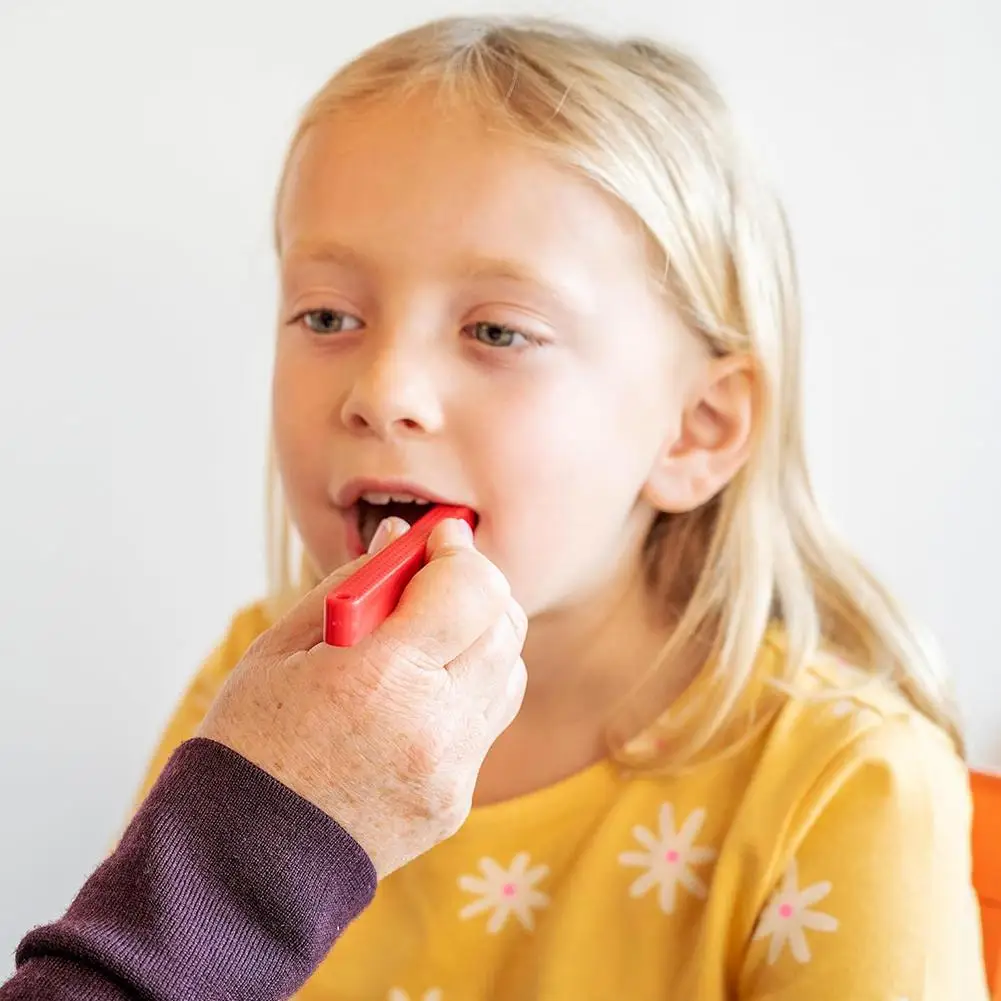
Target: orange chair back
{"type": "Point", "coordinates": [987, 868]}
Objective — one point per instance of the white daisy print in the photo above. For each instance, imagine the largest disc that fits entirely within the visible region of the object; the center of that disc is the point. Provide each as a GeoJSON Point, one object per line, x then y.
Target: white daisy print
{"type": "Point", "coordinates": [434, 994]}
{"type": "Point", "coordinates": [505, 892]}
{"type": "Point", "coordinates": [669, 858]}
{"type": "Point", "coordinates": [788, 914]}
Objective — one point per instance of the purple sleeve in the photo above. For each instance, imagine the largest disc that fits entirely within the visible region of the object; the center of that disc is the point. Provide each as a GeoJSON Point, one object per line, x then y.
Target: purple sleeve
{"type": "Point", "coordinates": [226, 885]}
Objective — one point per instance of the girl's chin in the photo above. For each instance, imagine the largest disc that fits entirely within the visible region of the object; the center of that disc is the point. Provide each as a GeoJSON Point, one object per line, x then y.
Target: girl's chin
{"type": "Point", "coordinates": [322, 563]}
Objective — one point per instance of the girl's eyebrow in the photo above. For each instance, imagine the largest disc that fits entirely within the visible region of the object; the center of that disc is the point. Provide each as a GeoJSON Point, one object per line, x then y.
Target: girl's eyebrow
{"type": "Point", "coordinates": [325, 252]}
{"type": "Point", "coordinates": [557, 291]}
{"type": "Point", "coordinates": [469, 267]}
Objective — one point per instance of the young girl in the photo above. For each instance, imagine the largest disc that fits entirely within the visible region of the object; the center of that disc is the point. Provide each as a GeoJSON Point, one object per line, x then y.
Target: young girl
{"type": "Point", "coordinates": [529, 269]}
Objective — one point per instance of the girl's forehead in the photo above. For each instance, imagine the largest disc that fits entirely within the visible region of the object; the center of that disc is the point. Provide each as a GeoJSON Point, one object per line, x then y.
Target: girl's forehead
{"type": "Point", "coordinates": [435, 178]}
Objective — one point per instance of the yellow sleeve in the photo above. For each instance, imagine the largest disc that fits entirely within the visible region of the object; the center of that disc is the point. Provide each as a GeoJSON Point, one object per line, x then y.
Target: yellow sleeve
{"type": "Point", "coordinates": [873, 899]}
{"type": "Point", "coordinates": [245, 627]}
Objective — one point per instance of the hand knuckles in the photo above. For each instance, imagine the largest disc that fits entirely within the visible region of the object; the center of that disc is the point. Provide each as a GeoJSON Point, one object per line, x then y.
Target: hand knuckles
{"type": "Point", "coordinates": [504, 644]}
{"type": "Point", "coordinates": [387, 651]}
{"type": "Point", "coordinates": [518, 681]}
{"type": "Point", "coordinates": [427, 749]}
{"type": "Point", "coordinates": [495, 646]}
{"type": "Point", "coordinates": [477, 572]}
{"type": "Point", "coordinates": [519, 620]}
{"type": "Point", "coordinates": [496, 586]}
{"type": "Point", "coordinates": [515, 698]}
{"type": "Point", "coordinates": [263, 648]}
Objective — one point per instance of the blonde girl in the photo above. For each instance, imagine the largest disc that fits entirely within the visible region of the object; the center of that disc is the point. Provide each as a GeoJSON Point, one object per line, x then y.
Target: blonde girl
{"type": "Point", "coordinates": [531, 269]}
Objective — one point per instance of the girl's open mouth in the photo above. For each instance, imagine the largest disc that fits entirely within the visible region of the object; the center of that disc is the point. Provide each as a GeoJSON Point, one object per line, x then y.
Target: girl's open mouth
{"type": "Point", "coordinates": [371, 509]}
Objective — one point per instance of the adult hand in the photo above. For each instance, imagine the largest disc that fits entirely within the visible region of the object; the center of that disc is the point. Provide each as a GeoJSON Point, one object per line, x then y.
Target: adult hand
{"type": "Point", "coordinates": [387, 737]}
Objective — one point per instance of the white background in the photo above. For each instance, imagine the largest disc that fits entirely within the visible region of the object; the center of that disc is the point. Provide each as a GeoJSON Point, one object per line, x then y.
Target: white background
{"type": "Point", "coordinates": [139, 147]}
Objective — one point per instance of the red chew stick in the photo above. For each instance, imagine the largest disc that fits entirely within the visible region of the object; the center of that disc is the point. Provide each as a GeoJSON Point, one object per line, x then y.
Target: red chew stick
{"type": "Point", "coordinates": [362, 602]}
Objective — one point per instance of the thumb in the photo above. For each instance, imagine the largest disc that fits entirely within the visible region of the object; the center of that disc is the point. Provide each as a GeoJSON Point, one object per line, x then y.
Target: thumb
{"type": "Point", "coordinates": [301, 627]}
{"type": "Point", "coordinates": [452, 600]}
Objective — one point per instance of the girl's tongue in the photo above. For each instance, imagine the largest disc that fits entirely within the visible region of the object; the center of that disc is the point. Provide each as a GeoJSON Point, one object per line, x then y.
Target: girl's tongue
{"type": "Point", "coordinates": [370, 515]}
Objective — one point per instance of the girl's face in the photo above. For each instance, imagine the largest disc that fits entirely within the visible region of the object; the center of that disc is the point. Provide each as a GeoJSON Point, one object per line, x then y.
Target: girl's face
{"type": "Point", "coordinates": [463, 320]}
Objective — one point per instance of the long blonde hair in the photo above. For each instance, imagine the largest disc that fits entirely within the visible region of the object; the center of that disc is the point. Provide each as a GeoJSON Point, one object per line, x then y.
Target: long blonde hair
{"type": "Point", "coordinates": [646, 124]}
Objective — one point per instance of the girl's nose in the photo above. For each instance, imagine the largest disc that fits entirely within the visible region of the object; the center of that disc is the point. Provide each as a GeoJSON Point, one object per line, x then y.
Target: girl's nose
{"type": "Point", "coordinates": [393, 394]}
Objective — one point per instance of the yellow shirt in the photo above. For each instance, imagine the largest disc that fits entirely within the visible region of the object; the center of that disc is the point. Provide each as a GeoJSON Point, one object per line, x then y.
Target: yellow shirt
{"type": "Point", "coordinates": [827, 858]}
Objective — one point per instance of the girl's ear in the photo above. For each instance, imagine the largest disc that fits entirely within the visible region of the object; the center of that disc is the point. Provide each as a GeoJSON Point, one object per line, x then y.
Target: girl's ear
{"type": "Point", "coordinates": [714, 439]}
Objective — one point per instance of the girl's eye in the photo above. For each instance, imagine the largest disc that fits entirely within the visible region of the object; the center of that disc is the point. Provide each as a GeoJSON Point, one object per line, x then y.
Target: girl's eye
{"type": "Point", "coordinates": [496, 335]}
{"type": "Point", "coordinates": [329, 321]}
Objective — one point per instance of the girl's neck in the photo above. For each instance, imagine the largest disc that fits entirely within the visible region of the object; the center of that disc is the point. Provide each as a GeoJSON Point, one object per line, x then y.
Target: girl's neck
{"type": "Point", "coordinates": [582, 661]}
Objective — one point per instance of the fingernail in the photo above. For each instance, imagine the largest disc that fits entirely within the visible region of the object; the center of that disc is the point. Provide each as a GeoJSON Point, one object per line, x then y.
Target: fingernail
{"type": "Point", "coordinates": [389, 528]}
{"type": "Point", "coordinates": [461, 532]}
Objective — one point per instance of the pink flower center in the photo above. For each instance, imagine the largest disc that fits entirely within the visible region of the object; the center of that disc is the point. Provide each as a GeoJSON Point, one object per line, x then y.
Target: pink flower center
{"type": "Point", "coordinates": [509, 889]}
{"type": "Point", "coordinates": [671, 856]}
{"type": "Point", "coordinates": [785, 911]}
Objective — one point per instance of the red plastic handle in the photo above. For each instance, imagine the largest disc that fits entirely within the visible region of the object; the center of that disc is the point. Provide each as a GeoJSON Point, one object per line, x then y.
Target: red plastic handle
{"type": "Point", "coordinates": [363, 602]}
